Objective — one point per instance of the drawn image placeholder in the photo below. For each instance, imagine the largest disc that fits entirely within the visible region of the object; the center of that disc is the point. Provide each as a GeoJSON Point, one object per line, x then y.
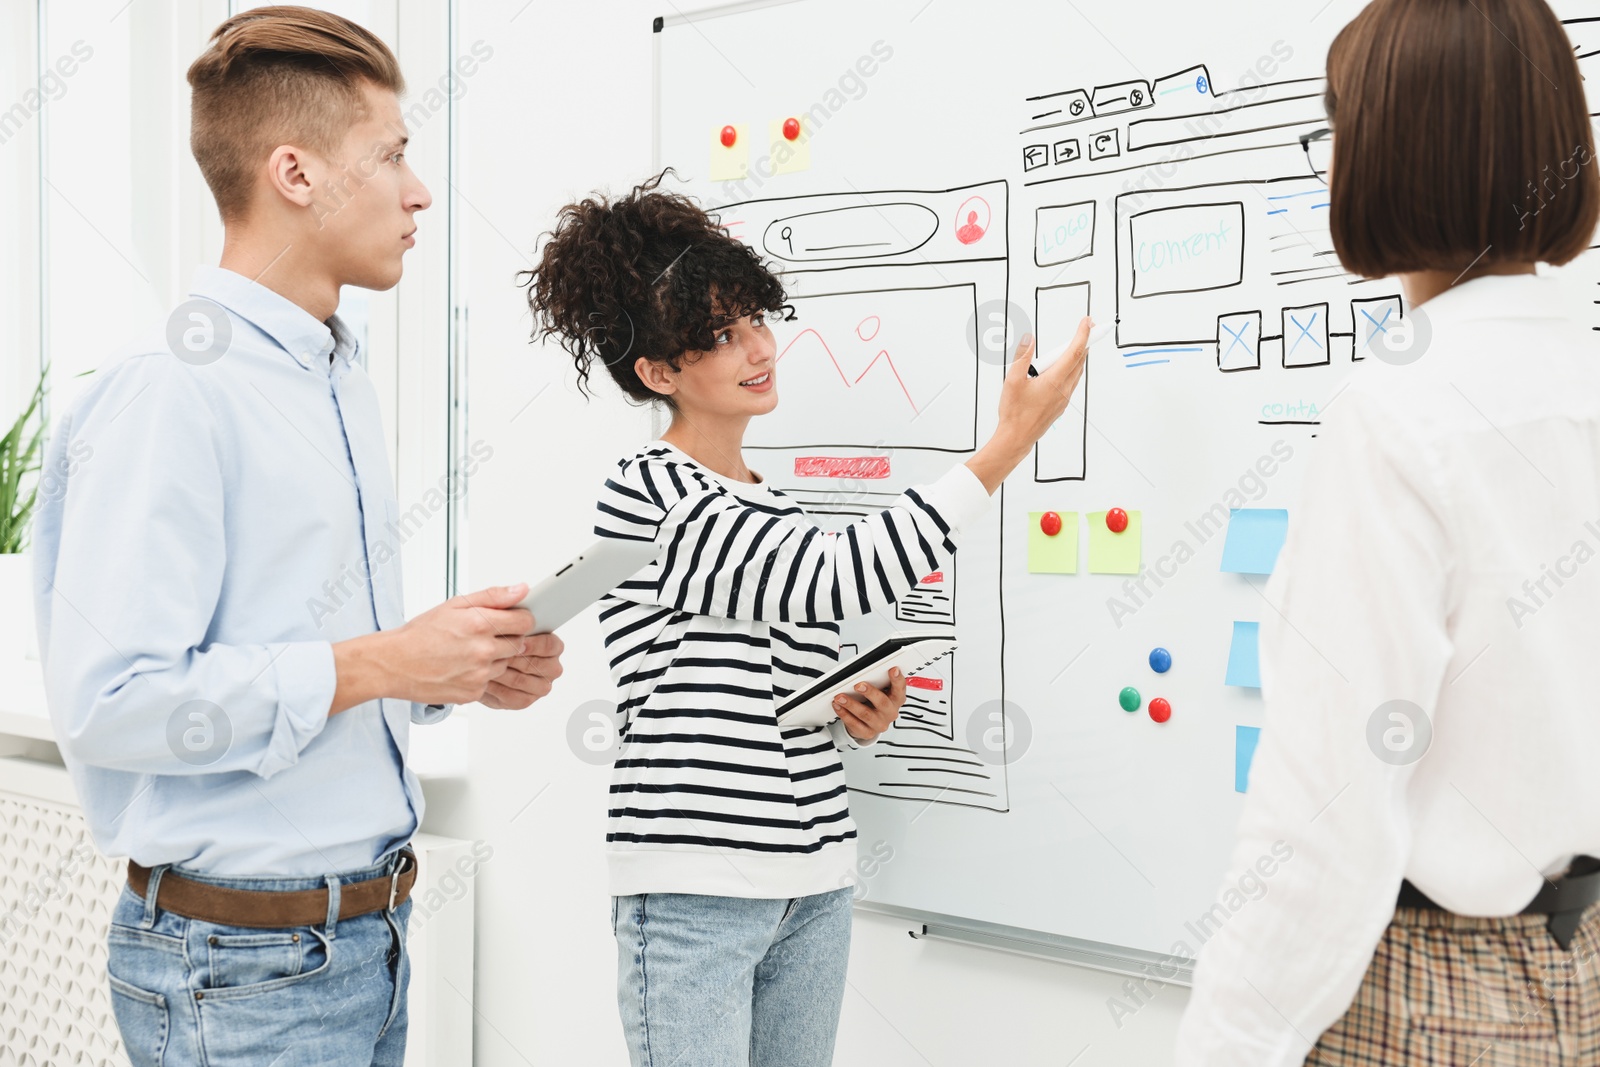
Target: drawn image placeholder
{"type": "Point", "coordinates": [885, 368]}
{"type": "Point", "coordinates": [1193, 248]}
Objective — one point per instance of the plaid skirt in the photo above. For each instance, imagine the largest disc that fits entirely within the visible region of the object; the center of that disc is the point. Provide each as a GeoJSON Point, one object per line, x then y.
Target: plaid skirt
{"type": "Point", "coordinates": [1446, 990]}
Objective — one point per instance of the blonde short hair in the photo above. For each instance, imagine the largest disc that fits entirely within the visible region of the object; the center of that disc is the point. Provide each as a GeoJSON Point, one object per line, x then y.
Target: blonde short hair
{"type": "Point", "coordinates": [273, 76]}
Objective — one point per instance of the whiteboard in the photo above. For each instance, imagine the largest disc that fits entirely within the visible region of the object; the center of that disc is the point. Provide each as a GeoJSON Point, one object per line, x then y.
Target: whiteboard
{"type": "Point", "coordinates": [968, 172]}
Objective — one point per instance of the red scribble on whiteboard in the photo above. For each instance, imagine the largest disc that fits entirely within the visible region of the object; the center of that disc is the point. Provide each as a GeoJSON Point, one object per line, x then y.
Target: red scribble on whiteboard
{"type": "Point", "coordinates": [841, 467]}
{"type": "Point", "coordinates": [861, 327]}
{"type": "Point", "coordinates": [916, 681]}
{"type": "Point", "coordinates": [882, 354]}
{"type": "Point", "coordinates": [972, 220]}
{"type": "Point", "coordinates": [936, 578]}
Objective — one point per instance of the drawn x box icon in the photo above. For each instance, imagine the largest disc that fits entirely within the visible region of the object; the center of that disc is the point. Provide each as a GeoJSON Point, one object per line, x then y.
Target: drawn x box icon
{"type": "Point", "coordinates": [1239, 341]}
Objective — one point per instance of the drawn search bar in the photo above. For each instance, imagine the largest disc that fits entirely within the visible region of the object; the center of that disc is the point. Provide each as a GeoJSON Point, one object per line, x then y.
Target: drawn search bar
{"type": "Point", "coordinates": [867, 232]}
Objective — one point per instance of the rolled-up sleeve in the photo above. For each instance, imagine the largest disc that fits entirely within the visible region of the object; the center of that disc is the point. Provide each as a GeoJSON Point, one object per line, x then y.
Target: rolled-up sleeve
{"type": "Point", "coordinates": [130, 584]}
{"type": "Point", "coordinates": [428, 714]}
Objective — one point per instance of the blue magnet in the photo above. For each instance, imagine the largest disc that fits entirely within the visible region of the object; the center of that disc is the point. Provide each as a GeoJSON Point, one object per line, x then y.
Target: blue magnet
{"type": "Point", "coordinates": [1160, 660]}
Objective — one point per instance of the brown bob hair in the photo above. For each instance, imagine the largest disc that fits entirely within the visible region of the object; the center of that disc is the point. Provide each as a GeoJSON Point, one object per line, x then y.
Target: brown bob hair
{"type": "Point", "coordinates": [1461, 138]}
{"type": "Point", "coordinates": [279, 75]}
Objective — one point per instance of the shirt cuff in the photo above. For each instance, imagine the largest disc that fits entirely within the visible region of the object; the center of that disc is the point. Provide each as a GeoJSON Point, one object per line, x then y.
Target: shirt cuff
{"type": "Point", "coordinates": [428, 714]}
{"type": "Point", "coordinates": [959, 497]}
{"type": "Point", "coordinates": [304, 680]}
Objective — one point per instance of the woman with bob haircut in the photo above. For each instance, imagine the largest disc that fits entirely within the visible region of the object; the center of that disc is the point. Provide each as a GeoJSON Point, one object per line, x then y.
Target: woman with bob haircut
{"type": "Point", "coordinates": [1414, 879]}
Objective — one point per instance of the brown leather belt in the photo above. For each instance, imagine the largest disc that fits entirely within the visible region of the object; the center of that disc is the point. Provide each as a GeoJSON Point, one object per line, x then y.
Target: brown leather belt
{"type": "Point", "coordinates": [266, 909]}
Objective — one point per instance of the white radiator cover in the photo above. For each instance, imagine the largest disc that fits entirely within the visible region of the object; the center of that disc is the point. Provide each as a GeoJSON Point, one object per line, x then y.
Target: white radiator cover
{"type": "Point", "coordinates": [56, 895]}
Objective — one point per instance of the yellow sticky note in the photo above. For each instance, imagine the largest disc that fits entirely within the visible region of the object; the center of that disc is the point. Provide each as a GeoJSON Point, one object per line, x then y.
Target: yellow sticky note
{"type": "Point", "coordinates": [730, 163]}
{"type": "Point", "coordinates": [789, 157]}
{"type": "Point", "coordinates": [1113, 553]}
{"type": "Point", "coordinates": [1057, 554]}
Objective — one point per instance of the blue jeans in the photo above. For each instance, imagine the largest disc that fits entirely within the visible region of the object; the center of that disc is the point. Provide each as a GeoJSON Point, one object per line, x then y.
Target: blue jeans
{"type": "Point", "coordinates": [707, 981]}
{"type": "Point", "coordinates": [188, 993]}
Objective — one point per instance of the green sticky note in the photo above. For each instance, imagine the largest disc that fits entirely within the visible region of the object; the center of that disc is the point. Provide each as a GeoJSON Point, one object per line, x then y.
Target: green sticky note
{"type": "Point", "coordinates": [1053, 555]}
{"type": "Point", "coordinates": [1113, 553]}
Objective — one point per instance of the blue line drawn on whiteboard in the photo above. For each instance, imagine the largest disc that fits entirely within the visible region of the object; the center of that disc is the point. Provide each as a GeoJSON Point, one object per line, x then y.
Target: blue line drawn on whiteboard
{"type": "Point", "coordinates": [1209, 193]}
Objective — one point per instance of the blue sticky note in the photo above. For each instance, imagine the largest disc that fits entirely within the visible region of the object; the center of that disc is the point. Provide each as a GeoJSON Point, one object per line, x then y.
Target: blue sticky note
{"type": "Point", "coordinates": [1244, 750]}
{"type": "Point", "coordinates": [1255, 536]}
{"type": "Point", "coordinates": [1244, 656]}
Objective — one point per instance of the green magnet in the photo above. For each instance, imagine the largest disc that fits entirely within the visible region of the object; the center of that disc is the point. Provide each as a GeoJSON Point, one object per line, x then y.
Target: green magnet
{"type": "Point", "coordinates": [1129, 699]}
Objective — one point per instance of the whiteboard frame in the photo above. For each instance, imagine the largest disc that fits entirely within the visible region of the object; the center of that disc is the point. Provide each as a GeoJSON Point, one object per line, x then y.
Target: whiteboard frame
{"type": "Point", "coordinates": [1092, 955]}
{"type": "Point", "coordinates": [1038, 944]}
{"type": "Point", "coordinates": [685, 18]}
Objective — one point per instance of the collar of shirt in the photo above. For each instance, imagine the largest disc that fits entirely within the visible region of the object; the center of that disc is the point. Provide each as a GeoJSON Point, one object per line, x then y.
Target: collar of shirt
{"type": "Point", "coordinates": [1500, 296]}
{"type": "Point", "coordinates": [294, 329]}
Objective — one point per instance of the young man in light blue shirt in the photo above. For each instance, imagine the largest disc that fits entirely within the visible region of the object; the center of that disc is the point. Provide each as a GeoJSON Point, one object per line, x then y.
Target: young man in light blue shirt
{"type": "Point", "coordinates": [229, 669]}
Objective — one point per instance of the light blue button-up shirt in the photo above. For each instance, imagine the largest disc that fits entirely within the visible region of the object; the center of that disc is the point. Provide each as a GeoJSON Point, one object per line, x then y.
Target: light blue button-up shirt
{"type": "Point", "coordinates": [211, 527]}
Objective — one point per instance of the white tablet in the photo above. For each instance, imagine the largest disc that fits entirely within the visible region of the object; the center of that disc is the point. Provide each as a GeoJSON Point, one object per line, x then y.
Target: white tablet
{"type": "Point", "coordinates": [603, 566]}
{"type": "Point", "coordinates": [910, 652]}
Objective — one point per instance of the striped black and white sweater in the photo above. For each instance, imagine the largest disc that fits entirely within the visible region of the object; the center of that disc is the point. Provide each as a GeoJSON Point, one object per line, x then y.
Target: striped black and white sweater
{"type": "Point", "coordinates": [741, 610]}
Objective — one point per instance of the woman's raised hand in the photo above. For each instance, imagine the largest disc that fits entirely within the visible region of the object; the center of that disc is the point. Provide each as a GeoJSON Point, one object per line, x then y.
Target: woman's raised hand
{"type": "Point", "coordinates": [1030, 405]}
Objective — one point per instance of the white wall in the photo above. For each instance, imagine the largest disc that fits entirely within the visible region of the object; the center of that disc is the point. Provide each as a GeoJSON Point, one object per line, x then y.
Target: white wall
{"type": "Point", "coordinates": [561, 108]}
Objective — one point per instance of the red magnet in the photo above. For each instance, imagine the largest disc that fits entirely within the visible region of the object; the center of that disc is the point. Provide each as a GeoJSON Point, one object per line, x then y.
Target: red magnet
{"type": "Point", "coordinates": [1116, 520]}
{"type": "Point", "coordinates": [729, 135]}
{"type": "Point", "coordinates": [1160, 709]}
{"type": "Point", "coordinates": [791, 129]}
{"type": "Point", "coordinates": [1050, 523]}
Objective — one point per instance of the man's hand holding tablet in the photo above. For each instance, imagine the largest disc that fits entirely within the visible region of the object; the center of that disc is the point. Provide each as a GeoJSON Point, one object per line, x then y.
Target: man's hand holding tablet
{"type": "Point", "coordinates": [524, 665]}
{"type": "Point", "coordinates": [529, 676]}
{"type": "Point", "coordinates": [473, 647]}
{"type": "Point", "coordinates": [553, 602]}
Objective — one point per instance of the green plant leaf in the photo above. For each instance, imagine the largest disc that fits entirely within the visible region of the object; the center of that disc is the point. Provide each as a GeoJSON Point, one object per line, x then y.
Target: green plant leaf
{"type": "Point", "coordinates": [21, 455]}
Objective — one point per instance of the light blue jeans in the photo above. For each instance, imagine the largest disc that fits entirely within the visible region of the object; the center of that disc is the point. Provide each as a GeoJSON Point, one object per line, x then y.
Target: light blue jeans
{"type": "Point", "coordinates": [188, 993]}
{"type": "Point", "coordinates": [707, 981]}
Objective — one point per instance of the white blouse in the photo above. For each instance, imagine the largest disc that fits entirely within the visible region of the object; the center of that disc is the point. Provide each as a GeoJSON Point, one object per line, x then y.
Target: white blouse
{"type": "Point", "coordinates": [1446, 555]}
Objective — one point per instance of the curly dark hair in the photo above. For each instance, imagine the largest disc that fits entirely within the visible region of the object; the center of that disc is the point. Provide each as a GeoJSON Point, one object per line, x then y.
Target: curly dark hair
{"type": "Point", "coordinates": [647, 274]}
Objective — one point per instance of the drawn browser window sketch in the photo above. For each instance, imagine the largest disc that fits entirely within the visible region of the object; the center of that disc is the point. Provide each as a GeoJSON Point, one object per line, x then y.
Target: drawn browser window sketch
{"type": "Point", "coordinates": [1073, 771]}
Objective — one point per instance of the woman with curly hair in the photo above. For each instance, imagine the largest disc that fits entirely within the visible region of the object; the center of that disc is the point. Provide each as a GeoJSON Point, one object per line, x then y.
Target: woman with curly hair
{"type": "Point", "coordinates": [732, 852]}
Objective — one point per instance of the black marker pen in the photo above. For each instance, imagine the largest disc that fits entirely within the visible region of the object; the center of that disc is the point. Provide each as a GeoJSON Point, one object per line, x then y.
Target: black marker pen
{"type": "Point", "coordinates": [1099, 333]}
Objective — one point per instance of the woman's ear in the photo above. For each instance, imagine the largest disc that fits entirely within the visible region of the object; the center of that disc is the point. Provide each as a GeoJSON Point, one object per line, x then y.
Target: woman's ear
{"type": "Point", "coordinates": [657, 376]}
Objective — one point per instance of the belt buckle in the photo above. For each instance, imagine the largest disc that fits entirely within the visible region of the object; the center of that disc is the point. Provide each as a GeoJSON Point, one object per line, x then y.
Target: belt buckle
{"type": "Point", "coordinates": [405, 864]}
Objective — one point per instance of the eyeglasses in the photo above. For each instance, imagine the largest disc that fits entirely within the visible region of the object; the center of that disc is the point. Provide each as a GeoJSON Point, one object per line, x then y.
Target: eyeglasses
{"type": "Point", "coordinates": [1318, 145]}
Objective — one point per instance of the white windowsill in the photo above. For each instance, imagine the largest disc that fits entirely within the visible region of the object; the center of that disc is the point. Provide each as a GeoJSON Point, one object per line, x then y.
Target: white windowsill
{"type": "Point", "coordinates": [22, 708]}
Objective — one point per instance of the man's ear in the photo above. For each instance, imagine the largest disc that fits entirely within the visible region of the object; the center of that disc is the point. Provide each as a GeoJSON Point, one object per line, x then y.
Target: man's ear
{"type": "Point", "coordinates": [288, 175]}
{"type": "Point", "coordinates": [657, 376]}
